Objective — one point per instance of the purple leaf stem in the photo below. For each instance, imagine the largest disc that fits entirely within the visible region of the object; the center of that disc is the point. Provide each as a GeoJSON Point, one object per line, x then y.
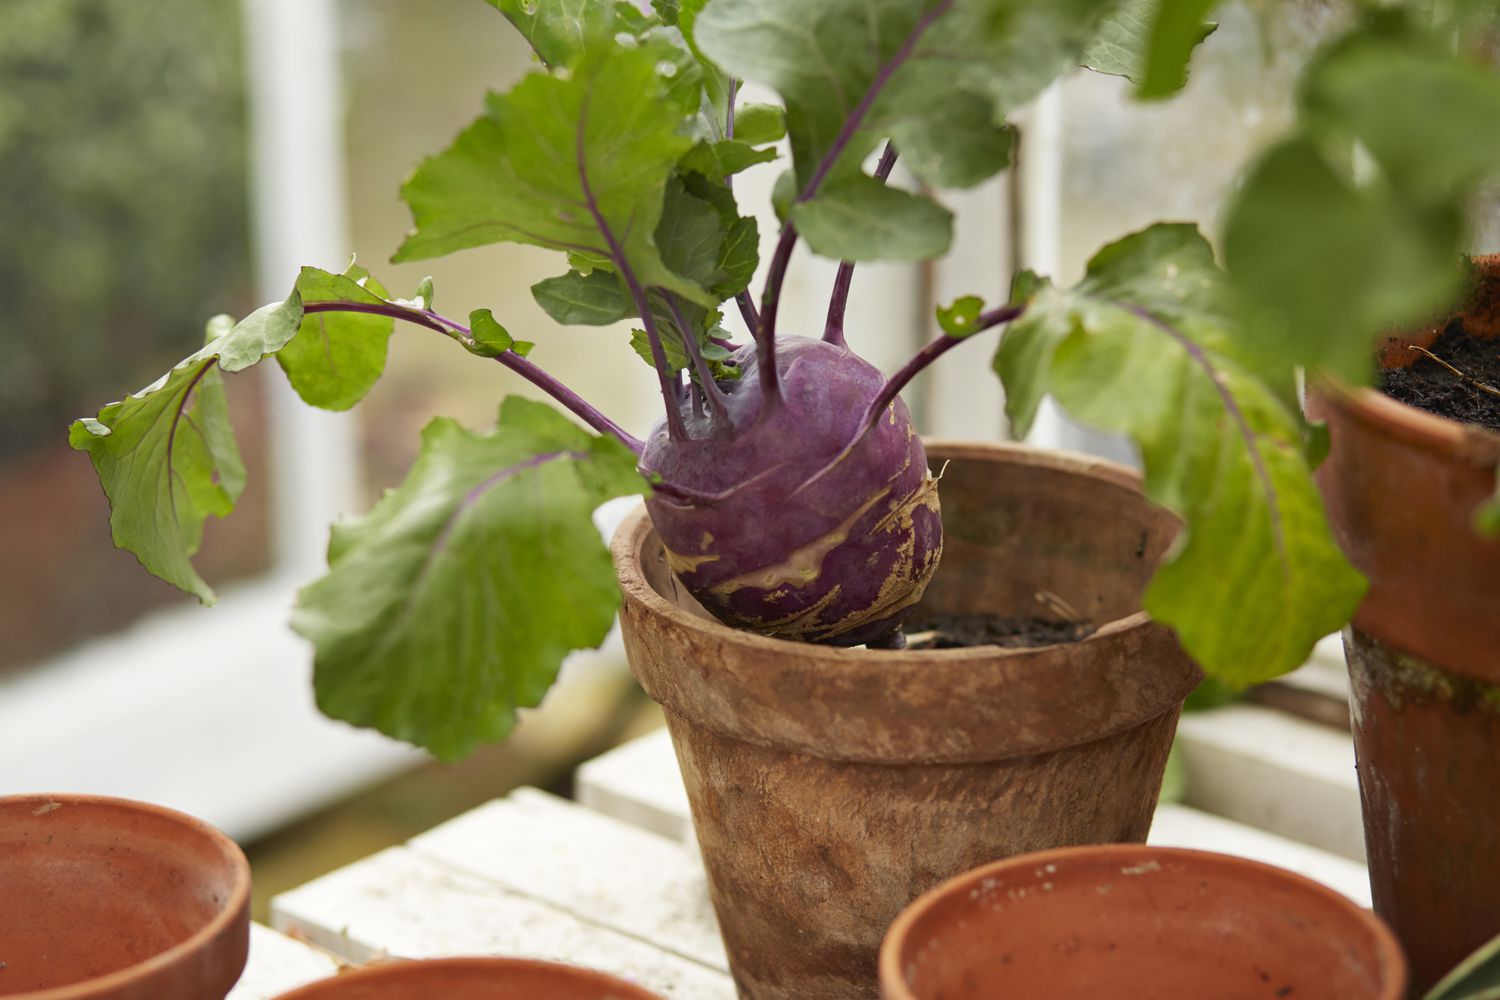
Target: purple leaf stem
{"type": "Point", "coordinates": [930, 353]}
{"type": "Point", "coordinates": [926, 356]}
{"type": "Point", "coordinates": [734, 90]}
{"type": "Point", "coordinates": [528, 370]}
{"type": "Point", "coordinates": [743, 299]}
{"type": "Point", "coordinates": [711, 391]}
{"type": "Point", "coordinates": [833, 330]}
{"type": "Point", "coordinates": [747, 312]}
{"type": "Point", "coordinates": [675, 426]}
{"type": "Point", "coordinates": [766, 341]}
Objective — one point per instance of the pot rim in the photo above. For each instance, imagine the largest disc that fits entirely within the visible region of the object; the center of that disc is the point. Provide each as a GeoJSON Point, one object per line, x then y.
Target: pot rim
{"type": "Point", "coordinates": [479, 964]}
{"type": "Point", "coordinates": [1419, 429]}
{"type": "Point", "coordinates": [1392, 962]}
{"type": "Point", "coordinates": [637, 524]}
{"type": "Point", "coordinates": [234, 908]}
{"type": "Point", "coordinates": [948, 706]}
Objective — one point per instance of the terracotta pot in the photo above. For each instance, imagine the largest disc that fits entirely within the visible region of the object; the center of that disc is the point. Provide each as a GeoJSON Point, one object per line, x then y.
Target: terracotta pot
{"type": "Point", "coordinates": [471, 979]}
{"type": "Point", "coordinates": [105, 899]}
{"type": "Point", "coordinates": [830, 787]}
{"type": "Point", "coordinates": [1401, 487]}
{"type": "Point", "coordinates": [1121, 922]}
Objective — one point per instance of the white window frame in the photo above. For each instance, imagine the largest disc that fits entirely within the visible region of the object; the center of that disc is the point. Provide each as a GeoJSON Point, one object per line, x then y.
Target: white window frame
{"type": "Point", "coordinates": [212, 712]}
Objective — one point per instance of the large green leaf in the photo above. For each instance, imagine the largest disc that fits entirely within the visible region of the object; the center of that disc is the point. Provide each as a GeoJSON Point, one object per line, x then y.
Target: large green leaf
{"type": "Point", "coordinates": [559, 30]}
{"type": "Point", "coordinates": [1322, 265]}
{"type": "Point", "coordinates": [1475, 978]}
{"type": "Point", "coordinates": [1140, 347]}
{"type": "Point", "coordinates": [936, 76]}
{"type": "Point", "coordinates": [1325, 257]}
{"type": "Point", "coordinates": [166, 455]}
{"type": "Point", "coordinates": [576, 299]}
{"type": "Point", "coordinates": [1151, 42]}
{"type": "Point", "coordinates": [859, 218]}
{"type": "Point", "coordinates": [1385, 85]}
{"type": "Point", "coordinates": [337, 356]}
{"type": "Point", "coordinates": [452, 603]}
{"type": "Point", "coordinates": [577, 162]}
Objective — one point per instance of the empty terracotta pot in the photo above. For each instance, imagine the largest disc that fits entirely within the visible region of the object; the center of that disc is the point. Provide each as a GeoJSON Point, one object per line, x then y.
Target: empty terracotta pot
{"type": "Point", "coordinates": [471, 979]}
{"type": "Point", "coordinates": [106, 899]}
{"type": "Point", "coordinates": [1125, 922]}
{"type": "Point", "coordinates": [1402, 486]}
{"type": "Point", "coordinates": [830, 787]}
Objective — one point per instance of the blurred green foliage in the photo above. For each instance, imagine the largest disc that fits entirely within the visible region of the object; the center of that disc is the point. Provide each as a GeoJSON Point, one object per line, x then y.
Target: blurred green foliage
{"type": "Point", "coordinates": [123, 209]}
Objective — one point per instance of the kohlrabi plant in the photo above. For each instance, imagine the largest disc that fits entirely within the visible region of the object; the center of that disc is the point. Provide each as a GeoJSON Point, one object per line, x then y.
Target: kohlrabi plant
{"type": "Point", "coordinates": [785, 478]}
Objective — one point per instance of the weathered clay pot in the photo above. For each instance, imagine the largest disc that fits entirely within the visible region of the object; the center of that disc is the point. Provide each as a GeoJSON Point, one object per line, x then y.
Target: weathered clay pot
{"type": "Point", "coordinates": [1402, 486]}
{"type": "Point", "coordinates": [105, 899]}
{"type": "Point", "coordinates": [1123, 922]}
{"type": "Point", "coordinates": [471, 979]}
{"type": "Point", "coordinates": [830, 787]}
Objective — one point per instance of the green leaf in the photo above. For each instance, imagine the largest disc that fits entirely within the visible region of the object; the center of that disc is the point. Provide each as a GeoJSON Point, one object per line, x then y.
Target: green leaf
{"type": "Point", "coordinates": [1475, 978]}
{"type": "Point", "coordinates": [1321, 266]}
{"type": "Point", "coordinates": [944, 104]}
{"type": "Point", "coordinates": [1139, 347]}
{"type": "Point", "coordinates": [717, 160]}
{"type": "Point", "coordinates": [1024, 356]}
{"type": "Point", "coordinates": [337, 356]}
{"type": "Point", "coordinates": [592, 299]}
{"type": "Point", "coordinates": [1151, 42]}
{"type": "Point", "coordinates": [1384, 86]}
{"type": "Point", "coordinates": [689, 236]}
{"type": "Point", "coordinates": [676, 352]}
{"type": "Point", "coordinates": [1487, 517]}
{"type": "Point", "coordinates": [738, 252]}
{"type": "Point", "coordinates": [166, 456]}
{"type": "Point", "coordinates": [569, 163]}
{"type": "Point", "coordinates": [424, 293]}
{"type": "Point", "coordinates": [758, 124]}
{"type": "Point", "coordinates": [858, 218]}
{"type": "Point", "coordinates": [452, 603]}
{"type": "Point", "coordinates": [957, 319]}
{"type": "Point", "coordinates": [490, 339]}
{"type": "Point", "coordinates": [559, 30]}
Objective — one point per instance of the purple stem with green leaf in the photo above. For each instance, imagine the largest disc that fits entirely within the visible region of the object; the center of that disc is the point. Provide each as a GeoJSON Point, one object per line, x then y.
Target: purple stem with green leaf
{"type": "Point", "coordinates": [833, 329]}
{"type": "Point", "coordinates": [528, 370]}
{"type": "Point", "coordinates": [669, 395]}
{"type": "Point", "coordinates": [706, 384]}
{"type": "Point", "coordinates": [766, 336]}
{"type": "Point", "coordinates": [931, 352]}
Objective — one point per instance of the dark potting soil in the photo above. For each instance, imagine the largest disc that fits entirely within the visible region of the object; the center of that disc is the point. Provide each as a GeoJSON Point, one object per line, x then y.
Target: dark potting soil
{"type": "Point", "coordinates": [962, 631]}
{"type": "Point", "coordinates": [1430, 386]}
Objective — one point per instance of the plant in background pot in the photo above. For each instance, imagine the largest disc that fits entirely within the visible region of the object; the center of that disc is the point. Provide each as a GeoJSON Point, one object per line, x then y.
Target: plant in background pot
{"type": "Point", "coordinates": [1368, 244]}
{"type": "Point", "coordinates": [794, 525]}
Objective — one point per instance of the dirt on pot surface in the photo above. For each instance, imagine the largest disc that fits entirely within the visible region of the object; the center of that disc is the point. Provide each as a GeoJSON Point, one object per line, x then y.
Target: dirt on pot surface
{"type": "Point", "coordinates": [1462, 394]}
{"type": "Point", "coordinates": [965, 631]}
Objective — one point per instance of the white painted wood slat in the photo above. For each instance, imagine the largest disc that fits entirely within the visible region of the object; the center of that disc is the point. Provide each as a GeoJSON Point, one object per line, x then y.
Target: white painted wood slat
{"type": "Point", "coordinates": [402, 903]}
{"type": "Point", "coordinates": [277, 964]}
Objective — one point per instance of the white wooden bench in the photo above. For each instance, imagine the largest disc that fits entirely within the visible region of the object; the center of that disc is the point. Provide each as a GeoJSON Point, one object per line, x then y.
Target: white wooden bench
{"type": "Point", "coordinates": [614, 880]}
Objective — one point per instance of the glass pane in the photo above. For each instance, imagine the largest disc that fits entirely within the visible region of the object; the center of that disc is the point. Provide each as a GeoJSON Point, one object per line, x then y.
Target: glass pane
{"type": "Point", "coordinates": [1127, 163]}
{"type": "Point", "coordinates": [122, 176]}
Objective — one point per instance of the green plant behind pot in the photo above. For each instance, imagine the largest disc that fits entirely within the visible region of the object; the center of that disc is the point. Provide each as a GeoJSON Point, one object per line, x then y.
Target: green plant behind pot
{"type": "Point", "coordinates": [452, 603]}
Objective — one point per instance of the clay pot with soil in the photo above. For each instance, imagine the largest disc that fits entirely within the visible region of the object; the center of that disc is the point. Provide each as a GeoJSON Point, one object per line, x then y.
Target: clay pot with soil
{"type": "Point", "coordinates": [471, 979]}
{"type": "Point", "coordinates": [1122, 922]}
{"type": "Point", "coordinates": [106, 899]}
{"type": "Point", "coordinates": [1403, 488]}
{"type": "Point", "coordinates": [832, 786]}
